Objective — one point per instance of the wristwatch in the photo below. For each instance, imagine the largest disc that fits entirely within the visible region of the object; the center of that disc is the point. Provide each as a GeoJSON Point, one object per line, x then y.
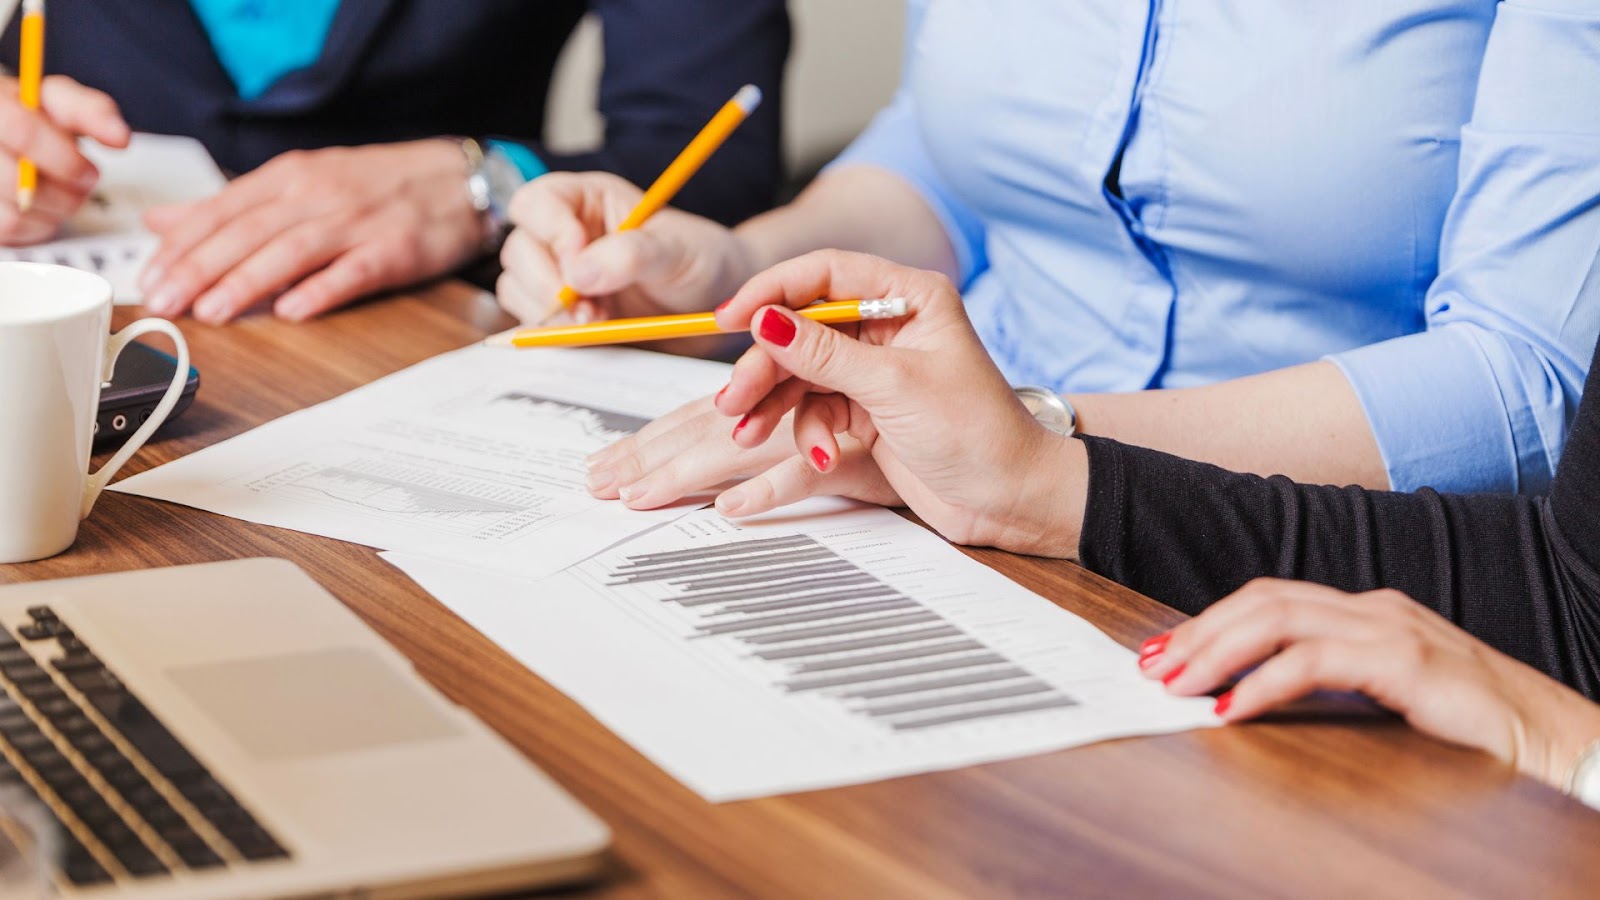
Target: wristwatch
{"type": "Point", "coordinates": [493, 176]}
{"type": "Point", "coordinates": [1583, 782]}
{"type": "Point", "coordinates": [1051, 409]}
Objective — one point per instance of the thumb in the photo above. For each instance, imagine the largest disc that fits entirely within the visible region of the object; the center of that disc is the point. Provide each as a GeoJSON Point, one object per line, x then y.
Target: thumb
{"type": "Point", "coordinates": [617, 261]}
{"type": "Point", "coordinates": [828, 358]}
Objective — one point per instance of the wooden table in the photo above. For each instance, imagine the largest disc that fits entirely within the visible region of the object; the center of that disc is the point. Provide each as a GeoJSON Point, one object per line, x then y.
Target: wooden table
{"type": "Point", "coordinates": [1358, 806]}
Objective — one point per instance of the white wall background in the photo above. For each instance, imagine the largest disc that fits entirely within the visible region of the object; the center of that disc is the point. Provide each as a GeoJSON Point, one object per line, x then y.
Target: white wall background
{"type": "Point", "coordinates": [843, 68]}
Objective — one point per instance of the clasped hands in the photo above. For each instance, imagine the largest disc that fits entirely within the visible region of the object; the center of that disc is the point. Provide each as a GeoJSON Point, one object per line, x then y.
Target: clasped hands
{"type": "Point", "coordinates": [308, 231]}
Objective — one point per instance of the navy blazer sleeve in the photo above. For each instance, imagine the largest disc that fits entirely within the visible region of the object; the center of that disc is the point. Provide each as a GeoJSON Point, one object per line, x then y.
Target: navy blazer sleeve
{"type": "Point", "coordinates": [669, 66]}
{"type": "Point", "coordinates": [1521, 574]}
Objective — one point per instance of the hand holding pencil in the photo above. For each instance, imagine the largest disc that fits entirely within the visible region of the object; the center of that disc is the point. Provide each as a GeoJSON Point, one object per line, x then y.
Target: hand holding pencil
{"type": "Point", "coordinates": [41, 120]}
{"type": "Point", "coordinates": [578, 231]}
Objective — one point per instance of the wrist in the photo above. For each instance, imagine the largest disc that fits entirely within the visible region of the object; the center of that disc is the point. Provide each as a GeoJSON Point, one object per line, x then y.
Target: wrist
{"type": "Point", "coordinates": [1555, 733]}
{"type": "Point", "coordinates": [1050, 490]}
{"type": "Point", "coordinates": [741, 262]}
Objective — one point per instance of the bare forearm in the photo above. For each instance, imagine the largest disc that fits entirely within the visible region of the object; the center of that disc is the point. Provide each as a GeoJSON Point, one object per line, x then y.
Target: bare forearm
{"type": "Point", "coordinates": [1304, 422]}
{"type": "Point", "coordinates": [859, 208]}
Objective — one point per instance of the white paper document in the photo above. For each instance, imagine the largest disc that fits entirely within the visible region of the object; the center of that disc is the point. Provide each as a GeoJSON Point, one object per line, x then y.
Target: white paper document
{"type": "Point", "coordinates": [475, 456]}
{"type": "Point", "coordinates": [107, 236]}
{"type": "Point", "coordinates": [822, 645]}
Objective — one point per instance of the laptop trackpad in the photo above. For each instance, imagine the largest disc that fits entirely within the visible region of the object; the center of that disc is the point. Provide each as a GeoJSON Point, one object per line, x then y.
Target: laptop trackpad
{"type": "Point", "coordinates": [303, 704]}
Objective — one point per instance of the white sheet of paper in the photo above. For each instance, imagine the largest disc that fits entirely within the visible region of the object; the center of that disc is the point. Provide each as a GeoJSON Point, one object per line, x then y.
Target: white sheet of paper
{"type": "Point", "coordinates": [848, 645]}
{"type": "Point", "coordinates": [474, 456]}
{"type": "Point", "coordinates": [107, 236]}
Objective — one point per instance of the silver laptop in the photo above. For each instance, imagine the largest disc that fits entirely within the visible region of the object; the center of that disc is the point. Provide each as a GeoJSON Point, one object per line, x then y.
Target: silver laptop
{"type": "Point", "coordinates": [231, 730]}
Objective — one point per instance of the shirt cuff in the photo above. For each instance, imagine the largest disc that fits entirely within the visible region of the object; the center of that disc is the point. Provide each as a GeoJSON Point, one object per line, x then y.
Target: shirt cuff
{"type": "Point", "coordinates": [1101, 542]}
{"type": "Point", "coordinates": [1443, 419]}
{"type": "Point", "coordinates": [527, 162]}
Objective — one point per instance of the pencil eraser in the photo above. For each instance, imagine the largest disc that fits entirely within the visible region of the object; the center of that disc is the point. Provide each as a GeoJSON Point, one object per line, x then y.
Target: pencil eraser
{"type": "Point", "coordinates": [748, 98]}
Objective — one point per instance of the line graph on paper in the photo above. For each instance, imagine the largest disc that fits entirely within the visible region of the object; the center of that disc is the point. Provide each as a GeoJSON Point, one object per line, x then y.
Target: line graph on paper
{"type": "Point", "coordinates": [523, 470]}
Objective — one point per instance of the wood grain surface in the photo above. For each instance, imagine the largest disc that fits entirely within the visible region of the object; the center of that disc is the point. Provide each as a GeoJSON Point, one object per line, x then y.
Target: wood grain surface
{"type": "Point", "coordinates": [1309, 805]}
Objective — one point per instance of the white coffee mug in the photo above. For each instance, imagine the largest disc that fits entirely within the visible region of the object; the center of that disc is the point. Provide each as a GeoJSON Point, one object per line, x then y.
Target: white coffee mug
{"type": "Point", "coordinates": [54, 354]}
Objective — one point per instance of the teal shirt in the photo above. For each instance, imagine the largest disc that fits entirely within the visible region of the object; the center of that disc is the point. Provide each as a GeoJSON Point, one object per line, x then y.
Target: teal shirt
{"type": "Point", "coordinates": [260, 41]}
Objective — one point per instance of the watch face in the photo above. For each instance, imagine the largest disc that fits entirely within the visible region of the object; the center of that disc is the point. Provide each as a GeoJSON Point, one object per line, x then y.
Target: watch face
{"type": "Point", "coordinates": [504, 178]}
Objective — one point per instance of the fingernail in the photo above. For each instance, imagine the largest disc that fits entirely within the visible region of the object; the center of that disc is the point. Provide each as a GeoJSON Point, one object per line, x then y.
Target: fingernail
{"type": "Point", "coordinates": [600, 479]}
{"type": "Point", "coordinates": [629, 493]}
{"type": "Point", "coordinates": [1223, 702]}
{"type": "Point", "coordinates": [723, 305]}
{"type": "Point", "coordinates": [150, 277]}
{"type": "Point", "coordinates": [164, 300]}
{"type": "Point", "coordinates": [1155, 645]}
{"type": "Point", "coordinates": [742, 423]}
{"type": "Point", "coordinates": [776, 328]}
{"type": "Point", "coordinates": [731, 501]}
{"type": "Point", "coordinates": [1172, 676]}
{"type": "Point", "coordinates": [718, 397]}
{"type": "Point", "coordinates": [1146, 662]}
{"type": "Point", "coordinates": [821, 458]}
{"type": "Point", "coordinates": [211, 308]}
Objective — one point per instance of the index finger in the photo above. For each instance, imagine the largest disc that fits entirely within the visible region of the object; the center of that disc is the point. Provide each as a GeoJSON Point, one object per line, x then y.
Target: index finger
{"type": "Point", "coordinates": [567, 210]}
{"type": "Point", "coordinates": [830, 275]}
{"type": "Point", "coordinates": [30, 133]}
{"type": "Point", "coordinates": [187, 225]}
{"type": "Point", "coordinates": [84, 110]}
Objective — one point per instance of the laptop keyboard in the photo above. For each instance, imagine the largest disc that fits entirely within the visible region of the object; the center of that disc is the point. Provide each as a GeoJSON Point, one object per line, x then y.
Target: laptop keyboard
{"type": "Point", "coordinates": [123, 815]}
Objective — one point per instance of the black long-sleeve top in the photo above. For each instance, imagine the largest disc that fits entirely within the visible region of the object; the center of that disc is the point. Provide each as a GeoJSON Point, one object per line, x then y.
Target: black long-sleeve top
{"type": "Point", "coordinates": [1520, 573]}
{"type": "Point", "coordinates": [395, 70]}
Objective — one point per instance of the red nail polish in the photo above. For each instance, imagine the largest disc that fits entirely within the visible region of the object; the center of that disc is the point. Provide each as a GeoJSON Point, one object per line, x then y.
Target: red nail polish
{"type": "Point", "coordinates": [776, 328]}
{"type": "Point", "coordinates": [1146, 662]}
{"type": "Point", "coordinates": [821, 458]}
{"type": "Point", "coordinates": [1155, 645]}
{"type": "Point", "coordinates": [724, 304]}
{"type": "Point", "coordinates": [718, 398]}
{"type": "Point", "coordinates": [1223, 702]}
{"type": "Point", "coordinates": [1171, 676]}
{"type": "Point", "coordinates": [742, 423]}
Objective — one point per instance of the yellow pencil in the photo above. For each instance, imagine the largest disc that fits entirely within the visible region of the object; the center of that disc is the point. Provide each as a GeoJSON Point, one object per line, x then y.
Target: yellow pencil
{"type": "Point", "coordinates": [656, 328]}
{"type": "Point", "coordinates": [30, 71]}
{"type": "Point", "coordinates": [723, 124]}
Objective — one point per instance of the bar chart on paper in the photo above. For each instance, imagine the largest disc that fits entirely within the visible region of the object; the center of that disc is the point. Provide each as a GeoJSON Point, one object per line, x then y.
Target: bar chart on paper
{"type": "Point", "coordinates": [810, 649]}
{"type": "Point", "coordinates": [833, 630]}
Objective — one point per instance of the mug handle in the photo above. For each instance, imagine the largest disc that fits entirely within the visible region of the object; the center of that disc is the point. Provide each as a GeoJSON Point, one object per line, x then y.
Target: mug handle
{"type": "Point", "coordinates": [97, 480]}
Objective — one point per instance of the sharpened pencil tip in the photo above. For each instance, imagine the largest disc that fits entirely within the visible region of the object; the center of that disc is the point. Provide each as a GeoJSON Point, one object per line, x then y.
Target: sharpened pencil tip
{"type": "Point", "coordinates": [503, 339]}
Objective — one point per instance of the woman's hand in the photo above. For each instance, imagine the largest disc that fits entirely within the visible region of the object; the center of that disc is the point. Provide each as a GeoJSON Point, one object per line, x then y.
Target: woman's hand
{"type": "Point", "coordinates": [931, 420]}
{"type": "Point", "coordinates": [315, 229]}
{"type": "Point", "coordinates": [49, 136]}
{"type": "Point", "coordinates": [1305, 637]}
{"type": "Point", "coordinates": [566, 235]}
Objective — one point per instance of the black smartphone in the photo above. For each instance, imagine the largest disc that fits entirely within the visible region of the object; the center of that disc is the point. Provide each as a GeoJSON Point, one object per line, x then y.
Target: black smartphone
{"type": "Point", "coordinates": [140, 378]}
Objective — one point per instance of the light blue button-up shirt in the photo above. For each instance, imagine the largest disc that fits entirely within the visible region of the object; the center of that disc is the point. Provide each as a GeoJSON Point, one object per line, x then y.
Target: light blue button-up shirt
{"type": "Point", "coordinates": [1164, 194]}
